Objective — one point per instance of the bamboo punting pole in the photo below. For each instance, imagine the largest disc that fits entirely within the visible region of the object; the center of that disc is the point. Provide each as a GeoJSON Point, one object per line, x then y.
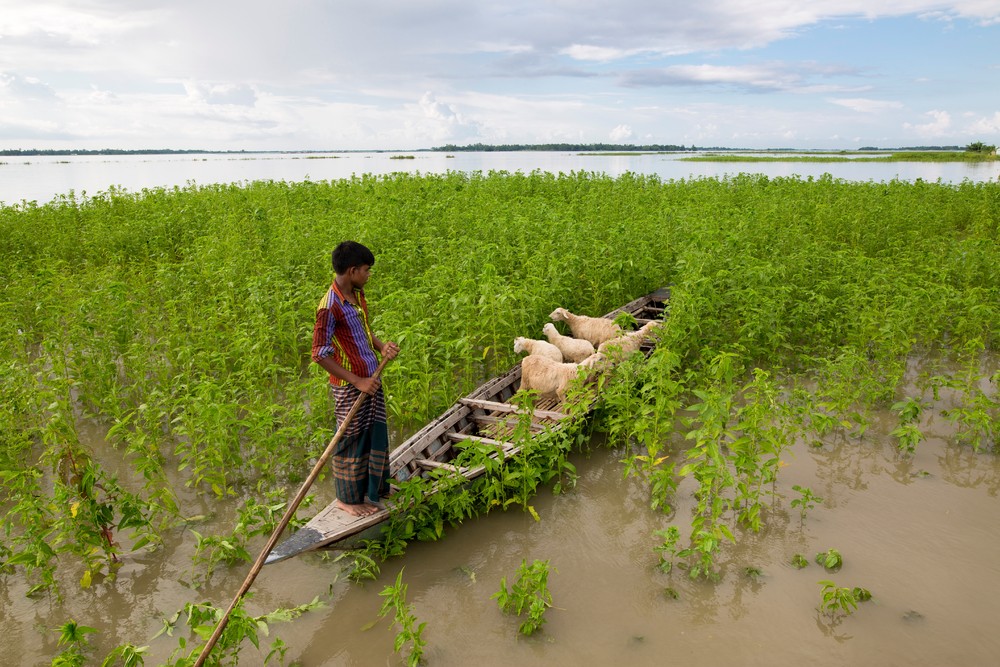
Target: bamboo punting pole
{"type": "Point", "coordinates": [294, 505]}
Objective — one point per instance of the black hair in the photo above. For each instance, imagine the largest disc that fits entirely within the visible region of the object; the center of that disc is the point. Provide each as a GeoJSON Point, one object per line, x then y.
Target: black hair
{"type": "Point", "coordinates": [349, 254]}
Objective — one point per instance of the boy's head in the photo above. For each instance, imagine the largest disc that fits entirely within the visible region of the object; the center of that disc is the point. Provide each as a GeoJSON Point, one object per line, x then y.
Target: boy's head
{"type": "Point", "coordinates": [349, 255]}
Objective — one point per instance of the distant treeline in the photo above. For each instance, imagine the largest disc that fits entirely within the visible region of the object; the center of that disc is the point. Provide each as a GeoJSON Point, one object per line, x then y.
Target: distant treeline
{"type": "Point", "coordinates": [486, 148]}
{"type": "Point", "coordinates": [104, 151]}
{"type": "Point", "coordinates": [167, 151]}
{"type": "Point", "coordinates": [913, 148]}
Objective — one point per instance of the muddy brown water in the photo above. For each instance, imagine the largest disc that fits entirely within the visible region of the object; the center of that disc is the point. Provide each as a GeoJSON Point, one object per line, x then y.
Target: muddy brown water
{"type": "Point", "coordinates": [920, 532]}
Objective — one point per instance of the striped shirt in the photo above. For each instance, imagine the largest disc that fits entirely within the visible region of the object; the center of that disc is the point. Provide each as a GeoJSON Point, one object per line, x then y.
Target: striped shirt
{"type": "Point", "coordinates": [342, 330]}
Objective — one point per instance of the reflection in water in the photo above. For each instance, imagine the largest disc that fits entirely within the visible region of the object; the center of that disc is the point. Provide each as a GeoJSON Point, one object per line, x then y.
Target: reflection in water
{"type": "Point", "coordinates": [829, 627]}
{"type": "Point", "coordinates": [845, 465]}
{"type": "Point", "coordinates": [963, 467]}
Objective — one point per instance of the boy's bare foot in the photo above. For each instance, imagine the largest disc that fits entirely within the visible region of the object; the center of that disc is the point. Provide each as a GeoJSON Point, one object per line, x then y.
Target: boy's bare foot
{"type": "Point", "coordinates": [375, 504]}
{"type": "Point", "coordinates": [359, 509]}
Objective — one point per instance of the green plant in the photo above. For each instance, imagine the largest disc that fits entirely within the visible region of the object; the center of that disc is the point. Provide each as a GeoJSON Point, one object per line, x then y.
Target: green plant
{"type": "Point", "coordinates": [977, 416]}
{"type": "Point", "coordinates": [128, 655]}
{"type": "Point", "coordinates": [529, 595]}
{"type": "Point", "coordinates": [836, 601]}
{"type": "Point", "coordinates": [254, 519]}
{"type": "Point", "coordinates": [908, 433]}
{"type": "Point", "coordinates": [980, 147]}
{"type": "Point", "coordinates": [409, 630]}
{"type": "Point", "coordinates": [73, 636]}
{"type": "Point", "coordinates": [640, 400]}
{"type": "Point", "coordinates": [830, 559]}
{"type": "Point", "coordinates": [626, 321]}
{"type": "Point", "coordinates": [668, 547]}
{"type": "Point", "coordinates": [201, 620]}
{"type": "Point", "coordinates": [361, 566]}
{"type": "Point", "coordinates": [278, 649]}
{"type": "Point", "coordinates": [807, 501]}
{"type": "Point", "coordinates": [799, 561]}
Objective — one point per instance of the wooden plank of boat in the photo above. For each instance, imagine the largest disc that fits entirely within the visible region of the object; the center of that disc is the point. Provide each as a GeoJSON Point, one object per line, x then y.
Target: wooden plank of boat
{"type": "Point", "coordinates": [331, 521]}
{"type": "Point", "coordinates": [332, 524]}
{"type": "Point", "coordinates": [432, 465]}
{"type": "Point", "coordinates": [505, 422]}
{"type": "Point", "coordinates": [507, 407]}
{"type": "Point", "coordinates": [470, 419]}
{"type": "Point", "coordinates": [476, 438]}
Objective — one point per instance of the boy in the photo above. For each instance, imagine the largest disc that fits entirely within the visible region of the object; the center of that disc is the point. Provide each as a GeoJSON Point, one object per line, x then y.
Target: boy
{"type": "Point", "coordinates": [344, 345]}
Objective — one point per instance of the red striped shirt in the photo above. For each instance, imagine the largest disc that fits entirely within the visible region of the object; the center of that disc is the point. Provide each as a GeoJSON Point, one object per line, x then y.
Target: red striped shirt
{"type": "Point", "coordinates": [342, 331]}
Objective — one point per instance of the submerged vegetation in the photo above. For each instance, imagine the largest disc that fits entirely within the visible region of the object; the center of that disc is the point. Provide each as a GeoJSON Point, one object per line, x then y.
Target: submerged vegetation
{"type": "Point", "coordinates": [529, 595]}
{"type": "Point", "coordinates": [176, 324]}
{"type": "Point", "coordinates": [409, 630]}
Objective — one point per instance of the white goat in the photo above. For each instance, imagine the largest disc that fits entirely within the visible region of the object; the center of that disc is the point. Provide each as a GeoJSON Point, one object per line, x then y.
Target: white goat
{"type": "Point", "coordinates": [619, 347]}
{"type": "Point", "coordinates": [550, 377]}
{"type": "Point", "coordinates": [537, 347]}
{"type": "Point", "coordinates": [593, 329]}
{"type": "Point", "coordinates": [573, 349]}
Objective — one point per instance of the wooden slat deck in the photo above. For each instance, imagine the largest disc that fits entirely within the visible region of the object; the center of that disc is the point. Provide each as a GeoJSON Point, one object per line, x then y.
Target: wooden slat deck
{"type": "Point", "coordinates": [431, 465]}
{"type": "Point", "coordinates": [476, 438]}
{"type": "Point", "coordinates": [508, 408]}
{"type": "Point", "coordinates": [502, 424]}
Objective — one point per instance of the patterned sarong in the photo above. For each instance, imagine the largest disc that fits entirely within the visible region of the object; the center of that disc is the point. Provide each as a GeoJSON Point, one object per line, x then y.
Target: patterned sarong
{"type": "Point", "coordinates": [361, 459]}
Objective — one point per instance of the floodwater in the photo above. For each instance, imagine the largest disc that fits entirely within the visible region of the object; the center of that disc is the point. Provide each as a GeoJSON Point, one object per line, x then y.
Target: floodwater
{"type": "Point", "coordinates": [918, 531]}
{"type": "Point", "coordinates": [42, 178]}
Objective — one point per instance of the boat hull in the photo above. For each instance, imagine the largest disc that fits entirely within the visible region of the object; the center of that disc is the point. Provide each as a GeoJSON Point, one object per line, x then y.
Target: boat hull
{"type": "Point", "coordinates": [485, 415]}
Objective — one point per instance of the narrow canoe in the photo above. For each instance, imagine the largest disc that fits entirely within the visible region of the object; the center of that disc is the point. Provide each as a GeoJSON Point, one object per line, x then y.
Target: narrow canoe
{"type": "Point", "coordinates": [485, 415]}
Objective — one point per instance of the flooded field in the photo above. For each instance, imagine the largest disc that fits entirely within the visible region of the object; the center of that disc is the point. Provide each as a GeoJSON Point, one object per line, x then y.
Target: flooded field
{"type": "Point", "coordinates": [158, 406]}
{"type": "Point", "coordinates": [917, 531]}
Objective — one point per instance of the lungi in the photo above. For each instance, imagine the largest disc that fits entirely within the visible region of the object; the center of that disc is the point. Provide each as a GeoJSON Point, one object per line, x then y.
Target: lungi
{"type": "Point", "coordinates": [361, 458]}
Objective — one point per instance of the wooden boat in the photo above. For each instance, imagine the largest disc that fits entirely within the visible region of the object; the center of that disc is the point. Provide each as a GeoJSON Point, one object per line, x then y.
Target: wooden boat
{"type": "Point", "coordinates": [485, 415]}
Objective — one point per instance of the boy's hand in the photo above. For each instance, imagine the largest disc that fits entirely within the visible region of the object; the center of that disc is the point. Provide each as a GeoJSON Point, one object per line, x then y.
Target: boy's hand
{"type": "Point", "coordinates": [368, 385]}
{"type": "Point", "coordinates": [390, 350]}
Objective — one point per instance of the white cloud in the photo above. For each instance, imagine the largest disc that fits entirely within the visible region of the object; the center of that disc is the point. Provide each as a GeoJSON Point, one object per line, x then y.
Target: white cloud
{"type": "Point", "coordinates": [939, 125]}
{"type": "Point", "coordinates": [24, 87]}
{"type": "Point", "coordinates": [351, 74]}
{"type": "Point", "coordinates": [68, 23]}
{"type": "Point", "coordinates": [745, 76]}
{"type": "Point", "coordinates": [221, 93]}
{"type": "Point", "coordinates": [620, 133]}
{"type": "Point", "coordinates": [986, 125]}
{"type": "Point", "coordinates": [436, 110]}
{"type": "Point", "coordinates": [864, 105]}
{"type": "Point", "coordinates": [706, 131]}
{"type": "Point", "coordinates": [594, 53]}
{"type": "Point", "coordinates": [500, 47]}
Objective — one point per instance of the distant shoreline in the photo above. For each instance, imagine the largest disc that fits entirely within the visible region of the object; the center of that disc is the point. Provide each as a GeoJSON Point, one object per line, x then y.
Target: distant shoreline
{"type": "Point", "coordinates": [595, 148]}
{"type": "Point", "coordinates": [39, 152]}
{"type": "Point", "coordinates": [896, 156]}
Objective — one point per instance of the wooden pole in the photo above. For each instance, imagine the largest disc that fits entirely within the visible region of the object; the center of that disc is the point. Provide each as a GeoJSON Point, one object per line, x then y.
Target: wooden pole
{"type": "Point", "coordinates": [255, 570]}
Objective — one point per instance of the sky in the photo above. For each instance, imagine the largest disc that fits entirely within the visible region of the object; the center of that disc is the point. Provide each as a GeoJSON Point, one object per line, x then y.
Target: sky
{"type": "Point", "coordinates": [378, 75]}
